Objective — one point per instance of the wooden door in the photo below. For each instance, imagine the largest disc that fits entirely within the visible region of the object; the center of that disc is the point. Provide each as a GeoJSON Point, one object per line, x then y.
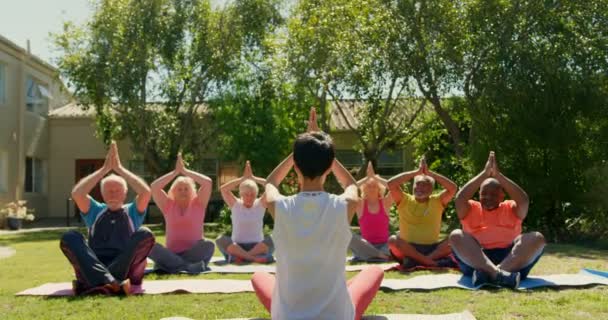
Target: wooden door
{"type": "Point", "coordinates": [85, 167]}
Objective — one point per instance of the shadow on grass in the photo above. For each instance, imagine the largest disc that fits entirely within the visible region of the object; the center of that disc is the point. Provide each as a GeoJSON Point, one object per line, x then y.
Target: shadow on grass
{"type": "Point", "coordinates": [50, 235]}
{"type": "Point", "coordinates": [582, 251]}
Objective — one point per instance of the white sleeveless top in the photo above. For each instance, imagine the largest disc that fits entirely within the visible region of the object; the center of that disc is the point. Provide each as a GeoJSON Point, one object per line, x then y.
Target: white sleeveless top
{"type": "Point", "coordinates": [247, 223]}
{"type": "Point", "coordinates": [311, 236]}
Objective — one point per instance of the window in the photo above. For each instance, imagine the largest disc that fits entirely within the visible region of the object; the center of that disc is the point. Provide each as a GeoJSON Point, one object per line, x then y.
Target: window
{"type": "Point", "coordinates": [350, 158]}
{"type": "Point", "coordinates": [228, 173]}
{"type": "Point", "coordinates": [35, 175]}
{"type": "Point", "coordinates": [390, 163]}
{"type": "Point", "coordinates": [138, 167]}
{"type": "Point", "coordinates": [208, 167]}
{"type": "Point", "coordinates": [36, 96]}
{"type": "Point", "coordinates": [2, 84]}
{"type": "Point", "coordinates": [3, 171]}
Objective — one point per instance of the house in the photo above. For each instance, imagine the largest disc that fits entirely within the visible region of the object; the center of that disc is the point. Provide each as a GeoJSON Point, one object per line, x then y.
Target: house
{"type": "Point", "coordinates": [48, 141]}
{"type": "Point", "coordinates": [29, 89]}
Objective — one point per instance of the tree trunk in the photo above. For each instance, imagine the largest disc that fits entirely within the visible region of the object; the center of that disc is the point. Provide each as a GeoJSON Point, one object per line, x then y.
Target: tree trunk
{"type": "Point", "coordinates": [325, 116]}
{"type": "Point", "coordinates": [449, 124]}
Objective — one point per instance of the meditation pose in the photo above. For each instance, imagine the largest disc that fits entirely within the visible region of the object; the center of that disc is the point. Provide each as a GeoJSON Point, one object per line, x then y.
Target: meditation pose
{"type": "Point", "coordinates": [372, 213]}
{"type": "Point", "coordinates": [311, 234]}
{"type": "Point", "coordinates": [247, 243]}
{"type": "Point", "coordinates": [114, 257]}
{"type": "Point", "coordinates": [420, 214]}
{"type": "Point", "coordinates": [184, 211]}
{"type": "Point", "coordinates": [490, 247]}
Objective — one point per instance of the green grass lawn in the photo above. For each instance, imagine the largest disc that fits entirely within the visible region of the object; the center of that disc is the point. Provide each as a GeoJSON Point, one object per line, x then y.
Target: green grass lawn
{"type": "Point", "coordinates": [39, 260]}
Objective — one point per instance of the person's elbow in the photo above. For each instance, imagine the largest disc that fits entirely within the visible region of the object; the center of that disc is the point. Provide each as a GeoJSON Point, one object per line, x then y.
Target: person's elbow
{"type": "Point", "coordinates": [76, 193]}
{"type": "Point", "coordinates": [145, 191]}
{"type": "Point", "coordinates": [524, 201]}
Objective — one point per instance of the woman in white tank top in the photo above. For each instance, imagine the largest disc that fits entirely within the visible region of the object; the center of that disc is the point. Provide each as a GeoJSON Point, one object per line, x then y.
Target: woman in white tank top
{"type": "Point", "coordinates": [247, 242]}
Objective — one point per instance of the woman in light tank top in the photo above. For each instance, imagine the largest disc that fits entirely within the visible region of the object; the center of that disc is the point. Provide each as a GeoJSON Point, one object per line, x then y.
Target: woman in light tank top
{"type": "Point", "coordinates": [372, 213]}
{"type": "Point", "coordinates": [183, 209]}
{"type": "Point", "coordinates": [247, 242]}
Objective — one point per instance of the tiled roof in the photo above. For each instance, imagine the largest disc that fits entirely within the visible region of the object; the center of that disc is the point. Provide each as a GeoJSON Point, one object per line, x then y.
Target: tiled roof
{"type": "Point", "coordinates": [71, 110]}
{"type": "Point", "coordinates": [76, 111]}
{"type": "Point", "coordinates": [350, 109]}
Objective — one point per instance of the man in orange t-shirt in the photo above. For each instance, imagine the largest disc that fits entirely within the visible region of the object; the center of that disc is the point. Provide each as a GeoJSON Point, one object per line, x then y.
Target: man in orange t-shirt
{"type": "Point", "coordinates": [490, 247]}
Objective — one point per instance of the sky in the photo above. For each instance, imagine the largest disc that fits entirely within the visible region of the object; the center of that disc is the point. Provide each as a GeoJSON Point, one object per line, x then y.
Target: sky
{"type": "Point", "coordinates": [21, 20]}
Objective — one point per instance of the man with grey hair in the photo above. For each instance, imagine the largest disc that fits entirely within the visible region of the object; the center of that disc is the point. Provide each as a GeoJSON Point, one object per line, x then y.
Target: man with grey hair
{"type": "Point", "coordinates": [420, 214]}
{"type": "Point", "coordinates": [114, 257]}
{"type": "Point", "coordinates": [490, 247]}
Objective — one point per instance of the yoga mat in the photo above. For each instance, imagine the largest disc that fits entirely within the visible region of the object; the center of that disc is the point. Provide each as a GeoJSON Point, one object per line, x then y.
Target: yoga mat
{"type": "Point", "coordinates": [465, 315]}
{"type": "Point", "coordinates": [153, 287]}
{"type": "Point", "coordinates": [422, 283]}
{"type": "Point", "coordinates": [400, 268]}
{"type": "Point", "coordinates": [450, 280]}
{"type": "Point", "coordinates": [219, 265]}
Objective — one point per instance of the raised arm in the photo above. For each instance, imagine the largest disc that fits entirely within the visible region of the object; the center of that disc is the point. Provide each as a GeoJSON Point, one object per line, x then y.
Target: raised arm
{"type": "Point", "coordinates": [80, 192]}
{"type": "Point", "coordinates": [205, 183]}
{"type": "Point", "coordinates": [272, 193]}
{"type": "Point", "coordinates": [468, 190]}
{"type": "Point", "coordinates": [514, 190]}
{"type": "Point", "coordinates": [226, 190]}
{"type": "Point", "coordinates": [349, 184]}
{"type": "Point", "coordinates": [248, 174]}
{"type": "Point", "coordinates": [158, 189]}
{"type": "Point", "coordinates": [387, 200]}
{"type": "Point", "coordinates": [448, 185]}
{"type": "Point", "coordinates": [138, 184]}
{"type": "Point", "coordinates": [394, 183]}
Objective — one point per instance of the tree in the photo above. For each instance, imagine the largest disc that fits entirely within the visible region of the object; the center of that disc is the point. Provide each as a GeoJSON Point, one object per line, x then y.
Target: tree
{"type": "Point", "coordinates": [342, 53]}
{"type": "Point", "coordinates": [538, 97]}
{"type": "Point", "coordinates": [175, 52]}
{"type": "Point", "coordinates": [430, 38]}
{"type": "Point", "coordinates": [260, 118]}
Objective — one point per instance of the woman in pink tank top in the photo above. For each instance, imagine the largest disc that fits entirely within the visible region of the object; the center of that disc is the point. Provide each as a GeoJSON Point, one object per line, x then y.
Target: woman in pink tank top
{"type": "Point", "coordinates": [372, 213]}
{"type": "Point", "coordinates": [183, 209]}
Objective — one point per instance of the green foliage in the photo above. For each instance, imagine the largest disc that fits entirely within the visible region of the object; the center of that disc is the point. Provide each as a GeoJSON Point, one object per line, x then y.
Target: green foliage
{"type": "Point", "coordinates": [182, 53]}
{"type": "Point", "coordinates": [435, 143]}
{"type": "Point", "coordinates": [342, 53]}
{"type": "Point", "coordinates": [454, 79]}
{"type": "Point", "coordinates": [259, 119]}
{"type": "Point", "coordinates": [539, 101]}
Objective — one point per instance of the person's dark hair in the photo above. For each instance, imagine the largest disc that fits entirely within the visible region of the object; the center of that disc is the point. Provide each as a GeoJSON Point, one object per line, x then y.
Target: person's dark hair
{"type": "Point", "coordinates": [313, 153]}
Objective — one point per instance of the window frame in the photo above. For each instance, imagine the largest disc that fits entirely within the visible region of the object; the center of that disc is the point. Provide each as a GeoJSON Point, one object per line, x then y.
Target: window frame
{"type": "Point", "coordinates": [36, 186]}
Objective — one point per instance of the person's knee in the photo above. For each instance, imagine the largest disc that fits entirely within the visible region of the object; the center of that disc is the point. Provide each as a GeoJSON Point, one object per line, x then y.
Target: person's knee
{"type": "Point", "coordinates": [223, 241]}
{"type": "Point", "coordinates": [536, 238]}
{"type": "Point", "coordinates": [392, 240]}
{"type": "Point", "coordinates": [260, 278]}
{"type": "Point", "coordinates": [143, 233]}
{"type": "Point", "coordinates": [456, 236]}
{"type": "Point", "coordinates": [375, 272]}
{"type": "Point", "coordinates": [208, 245]}
{"type": "Point", "coordinates": [71, 237]}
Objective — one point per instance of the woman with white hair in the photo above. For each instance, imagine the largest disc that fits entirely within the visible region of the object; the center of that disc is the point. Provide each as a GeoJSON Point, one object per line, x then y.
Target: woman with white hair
{"type": "Point", "coordinates": [184, 211]}
{"type": "Point", "coordinates": [247, 243]}
{"type": "Point", "coordinates": [373, 216]}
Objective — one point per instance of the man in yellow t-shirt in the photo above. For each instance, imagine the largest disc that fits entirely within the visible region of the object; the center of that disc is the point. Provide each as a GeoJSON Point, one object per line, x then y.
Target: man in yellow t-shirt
{"type": "Point", "coordinates": [420, 217]}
